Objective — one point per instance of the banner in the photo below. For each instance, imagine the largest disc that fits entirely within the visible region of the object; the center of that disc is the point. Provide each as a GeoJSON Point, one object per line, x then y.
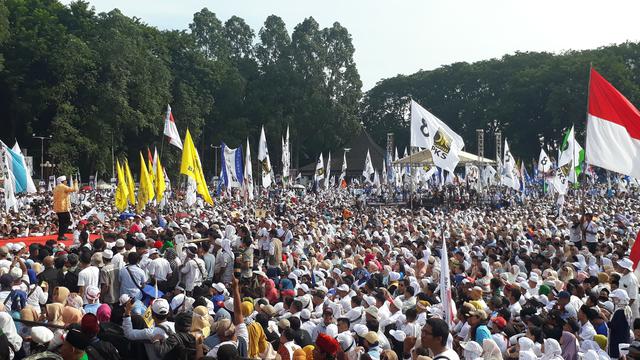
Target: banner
{"type": "Point", "coordinates": [232, 171]}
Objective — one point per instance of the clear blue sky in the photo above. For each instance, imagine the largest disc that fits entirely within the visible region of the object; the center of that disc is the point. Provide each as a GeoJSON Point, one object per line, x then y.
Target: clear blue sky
{"type": "Point", "coordinates": [402, 37]}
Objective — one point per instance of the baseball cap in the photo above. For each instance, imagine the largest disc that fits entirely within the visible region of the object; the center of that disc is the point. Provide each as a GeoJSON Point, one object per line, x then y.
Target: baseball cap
{"type": "Point", "coordinates": [160, 307]}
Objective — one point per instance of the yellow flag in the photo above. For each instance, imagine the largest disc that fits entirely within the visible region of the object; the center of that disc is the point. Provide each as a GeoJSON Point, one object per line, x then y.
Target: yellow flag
{"type": "Point", "coordinates": [152, 175]}
{"type": "Point", "coordinates": [130, 183]}
{"type": "Point", "coordinates": [159, 183]}
{"type": "Point", "coordinates": [192, 167]}
{"type": "Point", "coordinates": [122, 191]}
{"type": "Point", "coordinates": [145, 192]}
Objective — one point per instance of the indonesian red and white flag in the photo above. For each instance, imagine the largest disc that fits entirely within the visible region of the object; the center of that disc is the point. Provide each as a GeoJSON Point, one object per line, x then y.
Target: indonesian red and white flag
{"type": "Point", "coordinates": [171, 130]}
{"type": "Point", "coordinates": [613, 129]}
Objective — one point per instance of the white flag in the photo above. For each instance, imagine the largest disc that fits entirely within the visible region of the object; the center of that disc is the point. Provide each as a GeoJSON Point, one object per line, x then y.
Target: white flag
{"type": "Point", "coordinates": [190, 197]}
{"type": "Point", "coordinates": [568, 149]}
{"type": "Point", "coordinates": [265, 162]}
{"type": "Point", "coordinates": [343, 172]}
{"type": "Point", "coordinates": [327, 178]}
{"type": "Point", "coordinates": [368, 168]}
{"type": "Point", "coordinates": [319, 174]}
{"type": "Point", "coordinates": [232, 168]}
{"type": "Point", "coordinates": [248, 173]}
{"type": "Point", "coordinates": [427, 131]}
{"type": "Point", "coordinates": [489, 175]}
{"type": "Point", "coordinates": [544, 163]}
{"type": "Point", "coordinates": [448, 305]}
{"type": "Point", "coordinates": [171, 130]}
{"type": "Point", "coordinates": [286, 159]}
{"type": "Point", "coordinates": [560, 182]}
{"type": "Point", "coordinates": [10, 201]}
{"type": "Point", "coordinates": [509, 171]}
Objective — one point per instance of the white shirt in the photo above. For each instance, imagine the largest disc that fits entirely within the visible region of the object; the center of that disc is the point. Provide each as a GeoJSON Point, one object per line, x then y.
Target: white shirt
{"type": "Point", "coordinates": [159, 268]}
{"type": "Point", "coordinates": [87, 277]}
{"type": "Point", "coordinates": [38, 297]}
{"type": "Point", "coordinates": [629, 283]}
{"type": "Point", "coordinates": [587, 332]}
{"type": "Point", "coordinates": [191, 274]}
{"type": "Point", "coordinates": [118, 261]}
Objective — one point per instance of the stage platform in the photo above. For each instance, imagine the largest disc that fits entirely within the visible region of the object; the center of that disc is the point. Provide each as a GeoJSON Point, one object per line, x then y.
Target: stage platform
{"type": "Point", "coordinates": [43, 239]}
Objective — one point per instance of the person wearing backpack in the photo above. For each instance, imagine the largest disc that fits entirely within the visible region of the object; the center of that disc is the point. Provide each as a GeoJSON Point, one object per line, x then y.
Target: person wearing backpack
{"type": "Point", "coordinates": [181, 345]}
{"type": "Point", "coordinates": [97, 349]}
{"type": "Point", "coordinates": [160, 331]}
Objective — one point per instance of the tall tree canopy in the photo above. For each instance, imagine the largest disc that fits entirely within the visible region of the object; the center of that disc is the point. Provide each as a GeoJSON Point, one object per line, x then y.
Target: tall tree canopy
{"type": "Point", "coordinates": [531, 97]}
{"type": "Point", "coordinates": [97, 81]}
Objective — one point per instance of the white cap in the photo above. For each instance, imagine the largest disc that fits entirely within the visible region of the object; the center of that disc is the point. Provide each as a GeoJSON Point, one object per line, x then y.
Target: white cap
{"type": "Point", "coordinates": [61, 178]}
{"type": "Point", "coordinates": [228, 304]}
{"type": "Point", "coordinates": [343, 287]}
{"type": "Point", "coordinates": [124, 298]}
{"type": "Point", "coordinates": [304, 287]}
{"type": "Point", "coordinates": [305, 314]}
{"type": "Point", "coordinates": [120, 243]}
{"type": "Point", "coordinates": [16, 273]}
{"type": "Point", "coordinates": [360, 329]}
{"type": "Point", "coordinates": [41, 335]}
{"type": "Point", "coordinates": [152, 251]}
{"type": "Point", "coordinates": [397, 303]}
{"type": "Point", "coordinates": [534, 277]}
{"type": "Point", "coordinates": [107, 254]}
{"type": "Point", "coordinates": [626, 263]}
{"type": "Point", "coordinates": [398, 335]}
{"type": "Point", "coordinates": [348, 266]}
{"type": "Point", "coordinates": [219, 287]}
{"type": "Point", "coordinates": [160, 306]}
{"type": "Point", "coordinates": [619, 294]}
{"type": "Point", "coordinates": [394, 276]}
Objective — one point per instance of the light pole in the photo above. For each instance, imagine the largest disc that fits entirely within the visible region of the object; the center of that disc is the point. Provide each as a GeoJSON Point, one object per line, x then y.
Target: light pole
{"type": "Point", "coordinates": [42, 139]}
{"type": "Point", "coordinates": [215, 158]}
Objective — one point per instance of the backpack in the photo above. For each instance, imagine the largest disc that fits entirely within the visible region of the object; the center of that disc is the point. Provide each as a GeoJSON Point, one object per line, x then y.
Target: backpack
{"type": "Point", "coordinates": [114, 334]}
{"type": "Point", "coordinates": [71, 280]}
{"type": "Point", "coordinates": [102, 350]}
{"type": "Point", "coordinates": [184, 349]}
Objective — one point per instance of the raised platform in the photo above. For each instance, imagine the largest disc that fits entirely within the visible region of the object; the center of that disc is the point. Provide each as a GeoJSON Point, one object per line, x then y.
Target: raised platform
{"type": "Point", "coordinates": [43, 239]}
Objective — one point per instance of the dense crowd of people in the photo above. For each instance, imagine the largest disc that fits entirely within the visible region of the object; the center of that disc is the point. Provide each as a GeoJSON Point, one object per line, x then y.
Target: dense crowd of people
{"type": "Point", "coordinates": [317, 277]}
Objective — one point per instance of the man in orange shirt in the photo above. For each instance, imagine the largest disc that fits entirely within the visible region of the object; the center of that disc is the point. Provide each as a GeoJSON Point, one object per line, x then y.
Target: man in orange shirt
{"type": "Point", "coordinates": [62, 205]}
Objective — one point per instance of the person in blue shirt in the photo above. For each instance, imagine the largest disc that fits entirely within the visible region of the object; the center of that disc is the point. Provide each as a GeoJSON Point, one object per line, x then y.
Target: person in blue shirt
{"type": "Point", "coordinates": [479, 330]}
{"type": "Point", "coordinates": [132, 277]}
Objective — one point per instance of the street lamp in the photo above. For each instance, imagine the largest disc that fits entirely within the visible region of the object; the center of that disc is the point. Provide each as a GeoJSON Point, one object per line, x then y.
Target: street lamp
{"type": "Point", "coordinates": [42, 139]}
{"type": "Point", "coordinates": [215, 158]}
{"type": "Point", "coordinates": [50, 167]}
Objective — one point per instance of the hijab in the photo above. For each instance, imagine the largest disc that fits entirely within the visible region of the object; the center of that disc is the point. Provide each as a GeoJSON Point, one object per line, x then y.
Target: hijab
{"type": "Point", "coordinates": [552, 350]}
{"type": "Point", "coordinates": [526, 349]}
{"type": "Point", "coordinates": [569, 345]}
{"type": "Point", "coordinates": [8, 327]}
{"type": "Point", "coordinates": [104, 313]}
{"type": "Point", "coordinates": [201, 320]}
{"type": "Point", "coordinates": [29, 313]}
{"type": "Point", "coordinates": [71, 315]}
{"type": "Point", "coordinates": [75, 300]}
{"type": "Point", "coordinates": [490, 350]}
{"type": "Point", "coordinates": [54, 313]}
{"type": "Point", "coordinates": [60, 294]}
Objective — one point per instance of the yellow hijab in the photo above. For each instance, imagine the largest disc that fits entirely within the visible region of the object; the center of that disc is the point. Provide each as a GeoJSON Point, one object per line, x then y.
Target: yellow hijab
{"type": "Point", "coordinates": [201, 320]}
{"type": "Point", "coordinates": [257, 340]}
{"type": "Point", "coordinates": [54, 313]}
{"type": "Point", "coordinates": [60, 294]}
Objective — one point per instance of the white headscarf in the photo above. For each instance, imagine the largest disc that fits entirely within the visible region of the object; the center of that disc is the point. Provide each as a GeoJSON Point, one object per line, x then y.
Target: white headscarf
{"type": "Point", "coordinates": [226, 247]}
{"type": "Point", "coordinates": [490, 350]}
{"type": "Point", "coordinates": [526, 349]}
{"type": "Point", "coordinates": [9, 329]}
{"type": "Point", "coordinates": [552, 350]}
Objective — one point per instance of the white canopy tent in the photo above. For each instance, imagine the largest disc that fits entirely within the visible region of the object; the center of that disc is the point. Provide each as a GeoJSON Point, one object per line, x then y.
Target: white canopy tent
{"type": "Point", "coordinates": [423, 157]}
